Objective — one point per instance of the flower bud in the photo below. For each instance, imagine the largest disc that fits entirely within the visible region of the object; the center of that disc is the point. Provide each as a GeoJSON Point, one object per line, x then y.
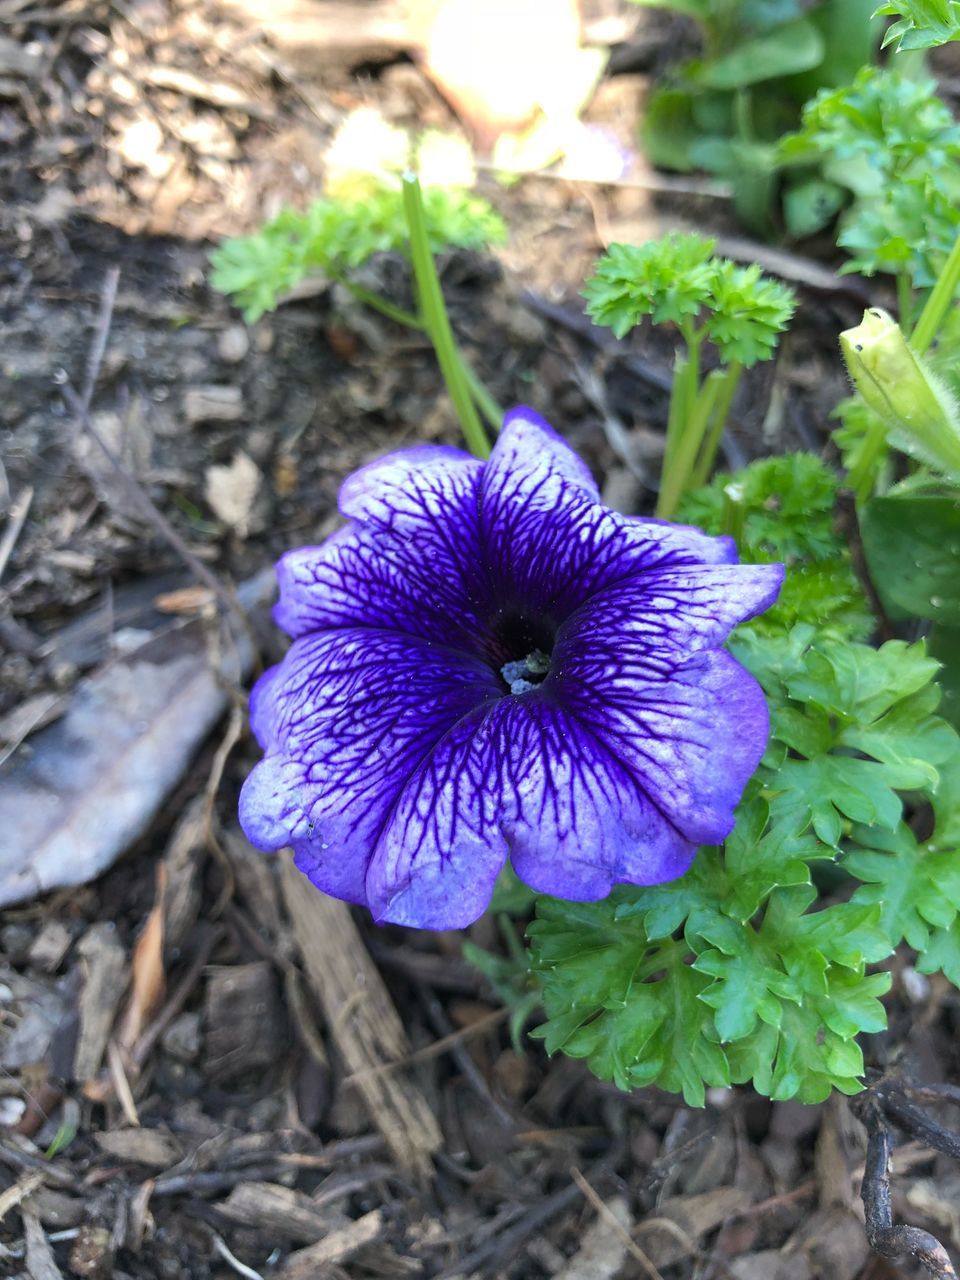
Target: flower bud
{"type": "Point", "coordinates": [920, 413]}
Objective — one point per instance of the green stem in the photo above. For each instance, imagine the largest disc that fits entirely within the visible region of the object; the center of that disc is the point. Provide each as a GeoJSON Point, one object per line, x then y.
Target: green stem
{"type": "Point", "coordinates": [721, 410]}
{"type": "Point", "coordinates": [862, 476]}
{"type": "Point", "coordinates": [905, 300]}
{"type": "Point", "coordinates": [734, 512]}
{"type": "Point", "coordinates": [677, 411]}
{"type": "Point", "coordinates": [939, 302]}
{"type": "Point", "coordinates": [436, 321]}
{"type": "Point", "coordinates": [371, 299]}
{"type": "Point", "coordinates": [676, 475]}
{"type": "Point", "coordinates": [484, 401]}
{"type": "Point", "coordinates": [683, 394]}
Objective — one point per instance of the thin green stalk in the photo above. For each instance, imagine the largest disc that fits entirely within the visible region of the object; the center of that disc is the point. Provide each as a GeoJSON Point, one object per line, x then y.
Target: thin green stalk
{"type": "Point", "coordinates": [734, 512]}
{"type": "Point", "coordinates": [905, 300]}
{"type": "Point", "coordinates": [939, 302]}
{"type": "Point", "coordinates": [677, 412]}
{"type": "Point", "coordinates": [371, 299]}
{"type": "Point", "coordinates": [862, 476]}
{"type": "Point", "coordinates": [676, 476]}
{"type": "Point", "coordinates": [437, 322]}
{"type": "Point", "coordinates": [484, 401]}
{"type": "Point", "coordinates": [721, 410]}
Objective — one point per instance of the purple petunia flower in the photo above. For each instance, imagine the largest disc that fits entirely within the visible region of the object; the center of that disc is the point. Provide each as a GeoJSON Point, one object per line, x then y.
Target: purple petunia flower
{"type": "Point", "coordinates": [488, 663]}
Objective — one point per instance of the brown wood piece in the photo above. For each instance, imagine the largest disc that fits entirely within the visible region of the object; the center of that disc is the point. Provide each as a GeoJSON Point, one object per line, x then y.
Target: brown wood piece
{"type": "Point", "coordinates": [361, 1020]}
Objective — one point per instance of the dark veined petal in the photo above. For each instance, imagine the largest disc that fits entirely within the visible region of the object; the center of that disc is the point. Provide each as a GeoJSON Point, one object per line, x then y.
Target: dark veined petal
{"type": "Point", "coordinates": [442, 848]}
{"type": "Point", "coordinates": [397, 765]}
{"type": "Point", "coordinates": [409, 561]}
{"type": "Point", "coordinates": [345, 720]}
{"type": "Point", "coordinates": [689, 733]}
{"type": "Point", "coordinates": [573, 815]}
{"type": "Point", "coordinates": [677, 610]}
{"type": "Point", "coordinates": [550, 543]}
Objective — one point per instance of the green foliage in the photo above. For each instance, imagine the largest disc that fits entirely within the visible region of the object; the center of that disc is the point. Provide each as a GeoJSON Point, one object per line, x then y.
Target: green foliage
{"type": "Point", "coordinates": [737, 972]}
{"type": "Point", "coordinates": [677, 280]}
{"type": "Point", "coordinates": [784, 510]}
{"type": "Point", "coordinates": [922, 23]}
{"type": "Point", "coordinates": [726, 110]}
{"type": "Point", "coordinates": [891, 142]}
{"type": "Point", "coordinates": [335, 237]}
{"type": "Point", "coordinates": [912, 546]}
{"type": "Point", "coordinates": [740, 971]}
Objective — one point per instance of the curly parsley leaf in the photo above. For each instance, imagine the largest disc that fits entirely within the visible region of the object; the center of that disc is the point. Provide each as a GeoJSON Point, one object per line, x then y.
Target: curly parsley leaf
{"type": "Point", "coordinates": [735, 971]}
{"type": "Point", "coordinates": [667, 279]}
{"type": "Point", "coordinates": [894, 144]}
{"type": "Point", "coordinates": [677, 280]}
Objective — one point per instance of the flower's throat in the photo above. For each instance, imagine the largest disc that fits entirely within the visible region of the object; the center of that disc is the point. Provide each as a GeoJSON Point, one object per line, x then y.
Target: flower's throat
{"type": "Point", "coordinates": [526, 673]}
{"type": "Point", "coordinates": [520, 649]}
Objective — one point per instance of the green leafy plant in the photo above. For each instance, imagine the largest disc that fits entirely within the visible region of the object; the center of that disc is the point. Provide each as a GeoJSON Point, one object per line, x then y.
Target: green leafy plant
{"type": "Point", "coordinates": [725, 110]}
{"type": "Point", "coordinates": [922, 23]}
{"type": "Point", "coordinates": [781, 511]}
{"type": "Point", "coordinates": [893, 146]}
{"type": "Point", "coordinates": [679, 281]}
{"type": "Point", "coordinates": [741, 970]}
{"type": "Point", "coordinates": [335, 237]}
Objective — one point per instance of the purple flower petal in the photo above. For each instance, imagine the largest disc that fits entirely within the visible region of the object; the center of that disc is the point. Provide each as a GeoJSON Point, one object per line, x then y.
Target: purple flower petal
{"type": "Point", "coordinates": [677, 610]}
{"type": "Point", "coordinates": [410, 560]}
{"type": "Point", "coordinates": [346, 720]}
{"type": "Point", "coordinates": [489, 663]}
{"type": "Point", "coordinates": [575, 818]}
{"type": "Point", "coordinates": [689, 735]}
{"type": "Point", "coordinates": [442, 850]}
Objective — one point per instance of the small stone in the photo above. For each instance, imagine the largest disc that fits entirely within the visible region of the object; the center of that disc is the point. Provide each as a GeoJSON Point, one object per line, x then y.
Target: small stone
{"type": "Point", "coordinates": [11, 1112]}
{"type": "Point", "coordinates": [15, 942]}
{"type": "Point", "coordinates": [233, 344]}
{"type": "Point", "coordinates": [50, 946]}
{"type": "Point", "coordinates": [212, 404]}
{"type": "Point", "coordinates": [92, 1253]}
{"type": "Point", "coordinates": [182, 1038]}
{"type": "Point", "coordinates": [263, 338]}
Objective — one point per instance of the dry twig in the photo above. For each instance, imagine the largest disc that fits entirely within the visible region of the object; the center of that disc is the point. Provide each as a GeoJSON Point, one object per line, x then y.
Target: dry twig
{"type": "Point", "coordinates": [885, 1102]}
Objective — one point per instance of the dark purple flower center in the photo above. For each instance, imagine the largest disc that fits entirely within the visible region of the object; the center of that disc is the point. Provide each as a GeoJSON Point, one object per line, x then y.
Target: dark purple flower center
{"type": "Point", "coordinates": [519, 647]}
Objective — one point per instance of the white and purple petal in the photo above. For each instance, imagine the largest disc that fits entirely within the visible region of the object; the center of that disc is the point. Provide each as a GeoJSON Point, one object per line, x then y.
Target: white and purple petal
{"type": "Point", "coordinates": [405, 761]}
{"type": "Point", "coordinates": [345, 720]}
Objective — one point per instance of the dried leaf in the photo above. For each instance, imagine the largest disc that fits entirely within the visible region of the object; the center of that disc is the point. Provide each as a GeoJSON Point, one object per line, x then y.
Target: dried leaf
{"type": "Point", "coordinates": [94, 780]}
{"type": "Point", "coordinates": [149, 980]}
{"type": "Point", "coordinates": [153, 1147]}
{"type": "Point", "coordinates": [105, 976]}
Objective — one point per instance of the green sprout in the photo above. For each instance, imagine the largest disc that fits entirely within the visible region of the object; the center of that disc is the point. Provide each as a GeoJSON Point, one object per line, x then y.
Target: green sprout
{"type": "Point", "coordinates": [679, 281]}
{"type": "Point", "coordinates": [370, 214]}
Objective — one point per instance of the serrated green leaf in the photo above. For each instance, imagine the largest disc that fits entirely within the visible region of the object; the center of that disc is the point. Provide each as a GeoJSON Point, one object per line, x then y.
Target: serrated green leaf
{"type": "Point", "coordinates": [823, 791]}
{"type": "Point", "coordinates": [749, 982]}
{"type": "Point", "coordinates": [663, 908]}
{"type": "Point", "coordinates": [941, 954]}
{"type": "Point", "coordinates": [758, 864]}
{"type": "Point", "coordinates": [908, 737]}
{"type": "Point", "coordinates": [913, 887]}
